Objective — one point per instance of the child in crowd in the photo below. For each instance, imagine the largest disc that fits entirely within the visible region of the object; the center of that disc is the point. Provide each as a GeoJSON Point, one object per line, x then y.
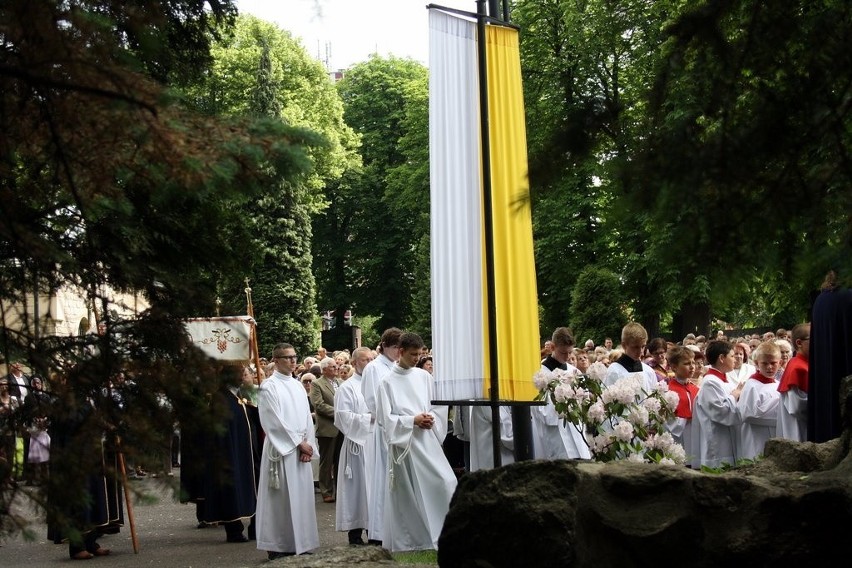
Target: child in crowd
{"type": "Point", "coordinates": [758, 404]}
{"type": "Point", "coordinates": [793, 389]}
{"type": "Point", "coordinates": [681, 363]}
{"type": "Point", "coordinates": [716, 418]}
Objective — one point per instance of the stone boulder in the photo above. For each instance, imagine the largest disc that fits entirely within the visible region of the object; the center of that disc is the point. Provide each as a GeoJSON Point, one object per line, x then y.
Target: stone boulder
{"type": "Point", "coordinates": [792, 508]}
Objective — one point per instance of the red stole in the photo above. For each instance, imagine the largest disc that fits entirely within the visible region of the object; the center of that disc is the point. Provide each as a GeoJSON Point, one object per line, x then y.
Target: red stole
{"type": "Point", "coordinates": [687, 393]}
{"type": "Point", "coordinates": [795, 375]}
{"type": "Point", "coordinates": [716, 373]}
{"type": "Point", "coordinates": [759, 377]}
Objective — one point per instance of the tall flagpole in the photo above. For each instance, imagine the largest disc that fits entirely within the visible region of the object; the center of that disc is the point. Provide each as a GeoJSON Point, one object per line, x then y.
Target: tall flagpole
{"type": "Point", "coordinates": [493, 360]}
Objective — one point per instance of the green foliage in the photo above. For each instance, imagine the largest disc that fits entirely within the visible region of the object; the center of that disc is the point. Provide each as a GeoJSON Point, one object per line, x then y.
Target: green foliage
{"type": "Point", "coordinates": [703, 145]}
{"type": "Point", "coordinates": [417, 557]}
{"type": "Point", "coordinates": [261, 70]}
{"type": "Point", "coordinates": [597, 310]}
{"type": "Point", "coordinates": [739, 119]}
{"type": "Point", "coordinates": [367, 235]}
{"type": "Point", "coordinates": [107, 181]}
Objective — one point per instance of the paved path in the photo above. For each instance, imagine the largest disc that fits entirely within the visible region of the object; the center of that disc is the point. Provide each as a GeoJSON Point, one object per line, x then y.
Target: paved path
{"type": "Point", "coordinates": [166, 532]}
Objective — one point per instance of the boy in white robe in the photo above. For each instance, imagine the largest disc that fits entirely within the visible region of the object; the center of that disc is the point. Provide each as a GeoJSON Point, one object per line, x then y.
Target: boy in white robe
{"type": "Point", "coordinates": [759, 401]}
{"type": "Point", "coordinates": [353, 419]}
{"type": "Point", "coordinates": [793, 409]}
{"type": "Point", "coordinates": [286, 513]}
{"type": "Point", "coordinates": [552, 439]}
{"type": "Point", "coordinates": [420, 479]}
{"type": "Point", "coordinates": [375, 450]}
{"type": "Point", "coordinates": [715, 416]}
{"type": "Point", "coordinates": [634, 338]}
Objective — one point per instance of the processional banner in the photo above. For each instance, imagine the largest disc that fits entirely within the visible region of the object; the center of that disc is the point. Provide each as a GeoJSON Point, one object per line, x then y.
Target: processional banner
{"type": "Point", "coordinates": [461, 338]}
{"type": "Point", "coordinates": [223, 338]}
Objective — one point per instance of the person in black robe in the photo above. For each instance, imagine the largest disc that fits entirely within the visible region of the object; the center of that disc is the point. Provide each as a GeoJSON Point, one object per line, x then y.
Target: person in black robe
{"type": "Point", "coordinates": [220, 471]}
{"type": "Point", "coordinates": [830, 358]}
{"type": "Point", "coordinates": [83, 489]}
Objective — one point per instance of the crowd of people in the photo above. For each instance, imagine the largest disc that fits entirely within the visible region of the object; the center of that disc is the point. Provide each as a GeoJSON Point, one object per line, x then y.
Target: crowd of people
{"type": "Point", "coordinates": [735, 393]}
{"type": "Point", "coordinates": [360, 429]}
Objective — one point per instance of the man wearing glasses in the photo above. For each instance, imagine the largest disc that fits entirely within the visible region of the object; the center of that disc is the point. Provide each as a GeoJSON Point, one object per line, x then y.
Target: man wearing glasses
{"type": "Point", "coordinates": [286, 514]}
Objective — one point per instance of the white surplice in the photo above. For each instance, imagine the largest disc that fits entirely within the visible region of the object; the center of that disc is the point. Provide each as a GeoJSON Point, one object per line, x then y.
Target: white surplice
{"type": "Point", "coordinates": [286, 514]}
{"type": "Point", "coordinates": [715, 424]}
{"type": "Point", "coordinates": [616, 372]}
{"type": "Point", "coordinates": [420, 479]}
{"type": "Point", "coordinates": [793, 415]}
{"type": "Point", "coordinates": [552, 439]}
{"type": "Point", "coordinates": [375, 450]}
{"type": "Point", "coordinates": [482, 441]}
{"type": "Point", "coordinates": [352, 418]}
{"type": "Point", "coordinates": [759, 412]}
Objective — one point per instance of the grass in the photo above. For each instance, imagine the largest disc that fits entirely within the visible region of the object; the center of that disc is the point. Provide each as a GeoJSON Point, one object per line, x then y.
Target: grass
{"type": "Point", "coordinates": [417, 557]}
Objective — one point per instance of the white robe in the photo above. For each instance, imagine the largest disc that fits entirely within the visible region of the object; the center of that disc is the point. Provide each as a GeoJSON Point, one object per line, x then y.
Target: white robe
{"type": "Point", "coordinates": [482, 442]}
{"type": "Point", "coordinates": [375, 450]}
{"type": "Point", "coordinates": [286, 517]}
{"type": "Point", "coordinates": [793, 415]}
{"type": "Point", "coordinates": [759, 411]}
{"type": "Point", "coordinates": [740, 375]}
{"type": "Point", "coordinates": [421, 481]}
{"type": "Point", "coordinates": [715, 424]}
{"type": "Point", "coordinates": [616, 371]}
{"type": "Point", "coordinates": [352, 418]}
{"type": "Point", "coordinates": [552, 439]}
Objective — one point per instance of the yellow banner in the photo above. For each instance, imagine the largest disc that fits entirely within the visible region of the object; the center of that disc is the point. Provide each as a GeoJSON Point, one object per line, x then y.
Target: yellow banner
{"type": "Point", "coordinates": [516, 297]}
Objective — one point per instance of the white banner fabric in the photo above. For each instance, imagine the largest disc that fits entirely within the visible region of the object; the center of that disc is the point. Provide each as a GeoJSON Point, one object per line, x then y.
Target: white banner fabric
{"type": "Point", "coordinates": [223, 338]}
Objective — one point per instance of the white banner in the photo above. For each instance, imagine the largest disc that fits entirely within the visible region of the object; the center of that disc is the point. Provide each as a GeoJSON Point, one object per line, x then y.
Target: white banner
{"type": "Point", "coordinates": [224, 338]}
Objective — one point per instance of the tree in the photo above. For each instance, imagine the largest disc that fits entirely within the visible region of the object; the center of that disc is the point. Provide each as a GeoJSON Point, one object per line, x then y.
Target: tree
{"type": "Point", "coordinates": [595, 308]}
{"type": "Point", "coordinates": [366, 238]}
{"type": "Point", "coordinates": [743, 160]}
{"type": "Point", "coordinates": [106, 180]}
{"type": "Point", "coordinates": [261, 70]}
{"type": "Point", "coordinates": [584, 67]}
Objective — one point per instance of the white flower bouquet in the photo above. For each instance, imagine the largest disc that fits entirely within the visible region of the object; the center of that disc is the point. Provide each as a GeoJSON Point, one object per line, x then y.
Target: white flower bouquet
{"type": "Point", "coordinates": [620, 422]}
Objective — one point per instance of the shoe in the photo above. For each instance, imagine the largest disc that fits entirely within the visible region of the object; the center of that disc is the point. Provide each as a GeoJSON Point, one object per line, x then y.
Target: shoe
{"type": "Point", "coordinates": [328, 499]}
{"type": "Point", "coordinates": [237, 538]}
{"type": "Point", "coordinates": [374, 542]}
{"type": "Point", "coordinates": [273, 555]}
{"type": "Point", "coordinates": [359, 542]}
{"type": "Point", "coordinates": [204, 525]}
{"type": "Point", "coordinates": [101, 551]}
{"type": "Point", "coordinates": [83, 555]}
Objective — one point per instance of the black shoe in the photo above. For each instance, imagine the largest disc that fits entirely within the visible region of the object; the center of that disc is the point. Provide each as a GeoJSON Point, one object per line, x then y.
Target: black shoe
{"type": "Point", "coordinates": [274, 555]}
{"type": "Point", "coordinates": [374, 542]}
{"type": "Point", "coordinates": [204, 525]}
{"type": "Point", "coordinates": [355, 537]}
{"type": "Point", "coordinates": [237, 538]}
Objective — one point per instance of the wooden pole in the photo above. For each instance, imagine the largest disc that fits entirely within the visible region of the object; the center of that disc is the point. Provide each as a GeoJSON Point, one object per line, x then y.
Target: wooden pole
{"type": "Point", "coordinates": [259, 376]}
{"type": "Point", "coordinates": [127, 500]}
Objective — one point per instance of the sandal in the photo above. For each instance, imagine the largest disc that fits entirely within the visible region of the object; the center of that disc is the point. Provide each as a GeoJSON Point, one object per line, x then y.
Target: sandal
{"type": "Point", "coordinates": [101, 552]}
{"type": "Point", "coordinates": [83, 555]}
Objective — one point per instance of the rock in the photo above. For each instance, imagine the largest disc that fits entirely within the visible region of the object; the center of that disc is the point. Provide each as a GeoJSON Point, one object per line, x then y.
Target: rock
{"type": "Point", "coordinates": [792, 508]}
{"type": "Point", "coordinates": [361, 556]}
